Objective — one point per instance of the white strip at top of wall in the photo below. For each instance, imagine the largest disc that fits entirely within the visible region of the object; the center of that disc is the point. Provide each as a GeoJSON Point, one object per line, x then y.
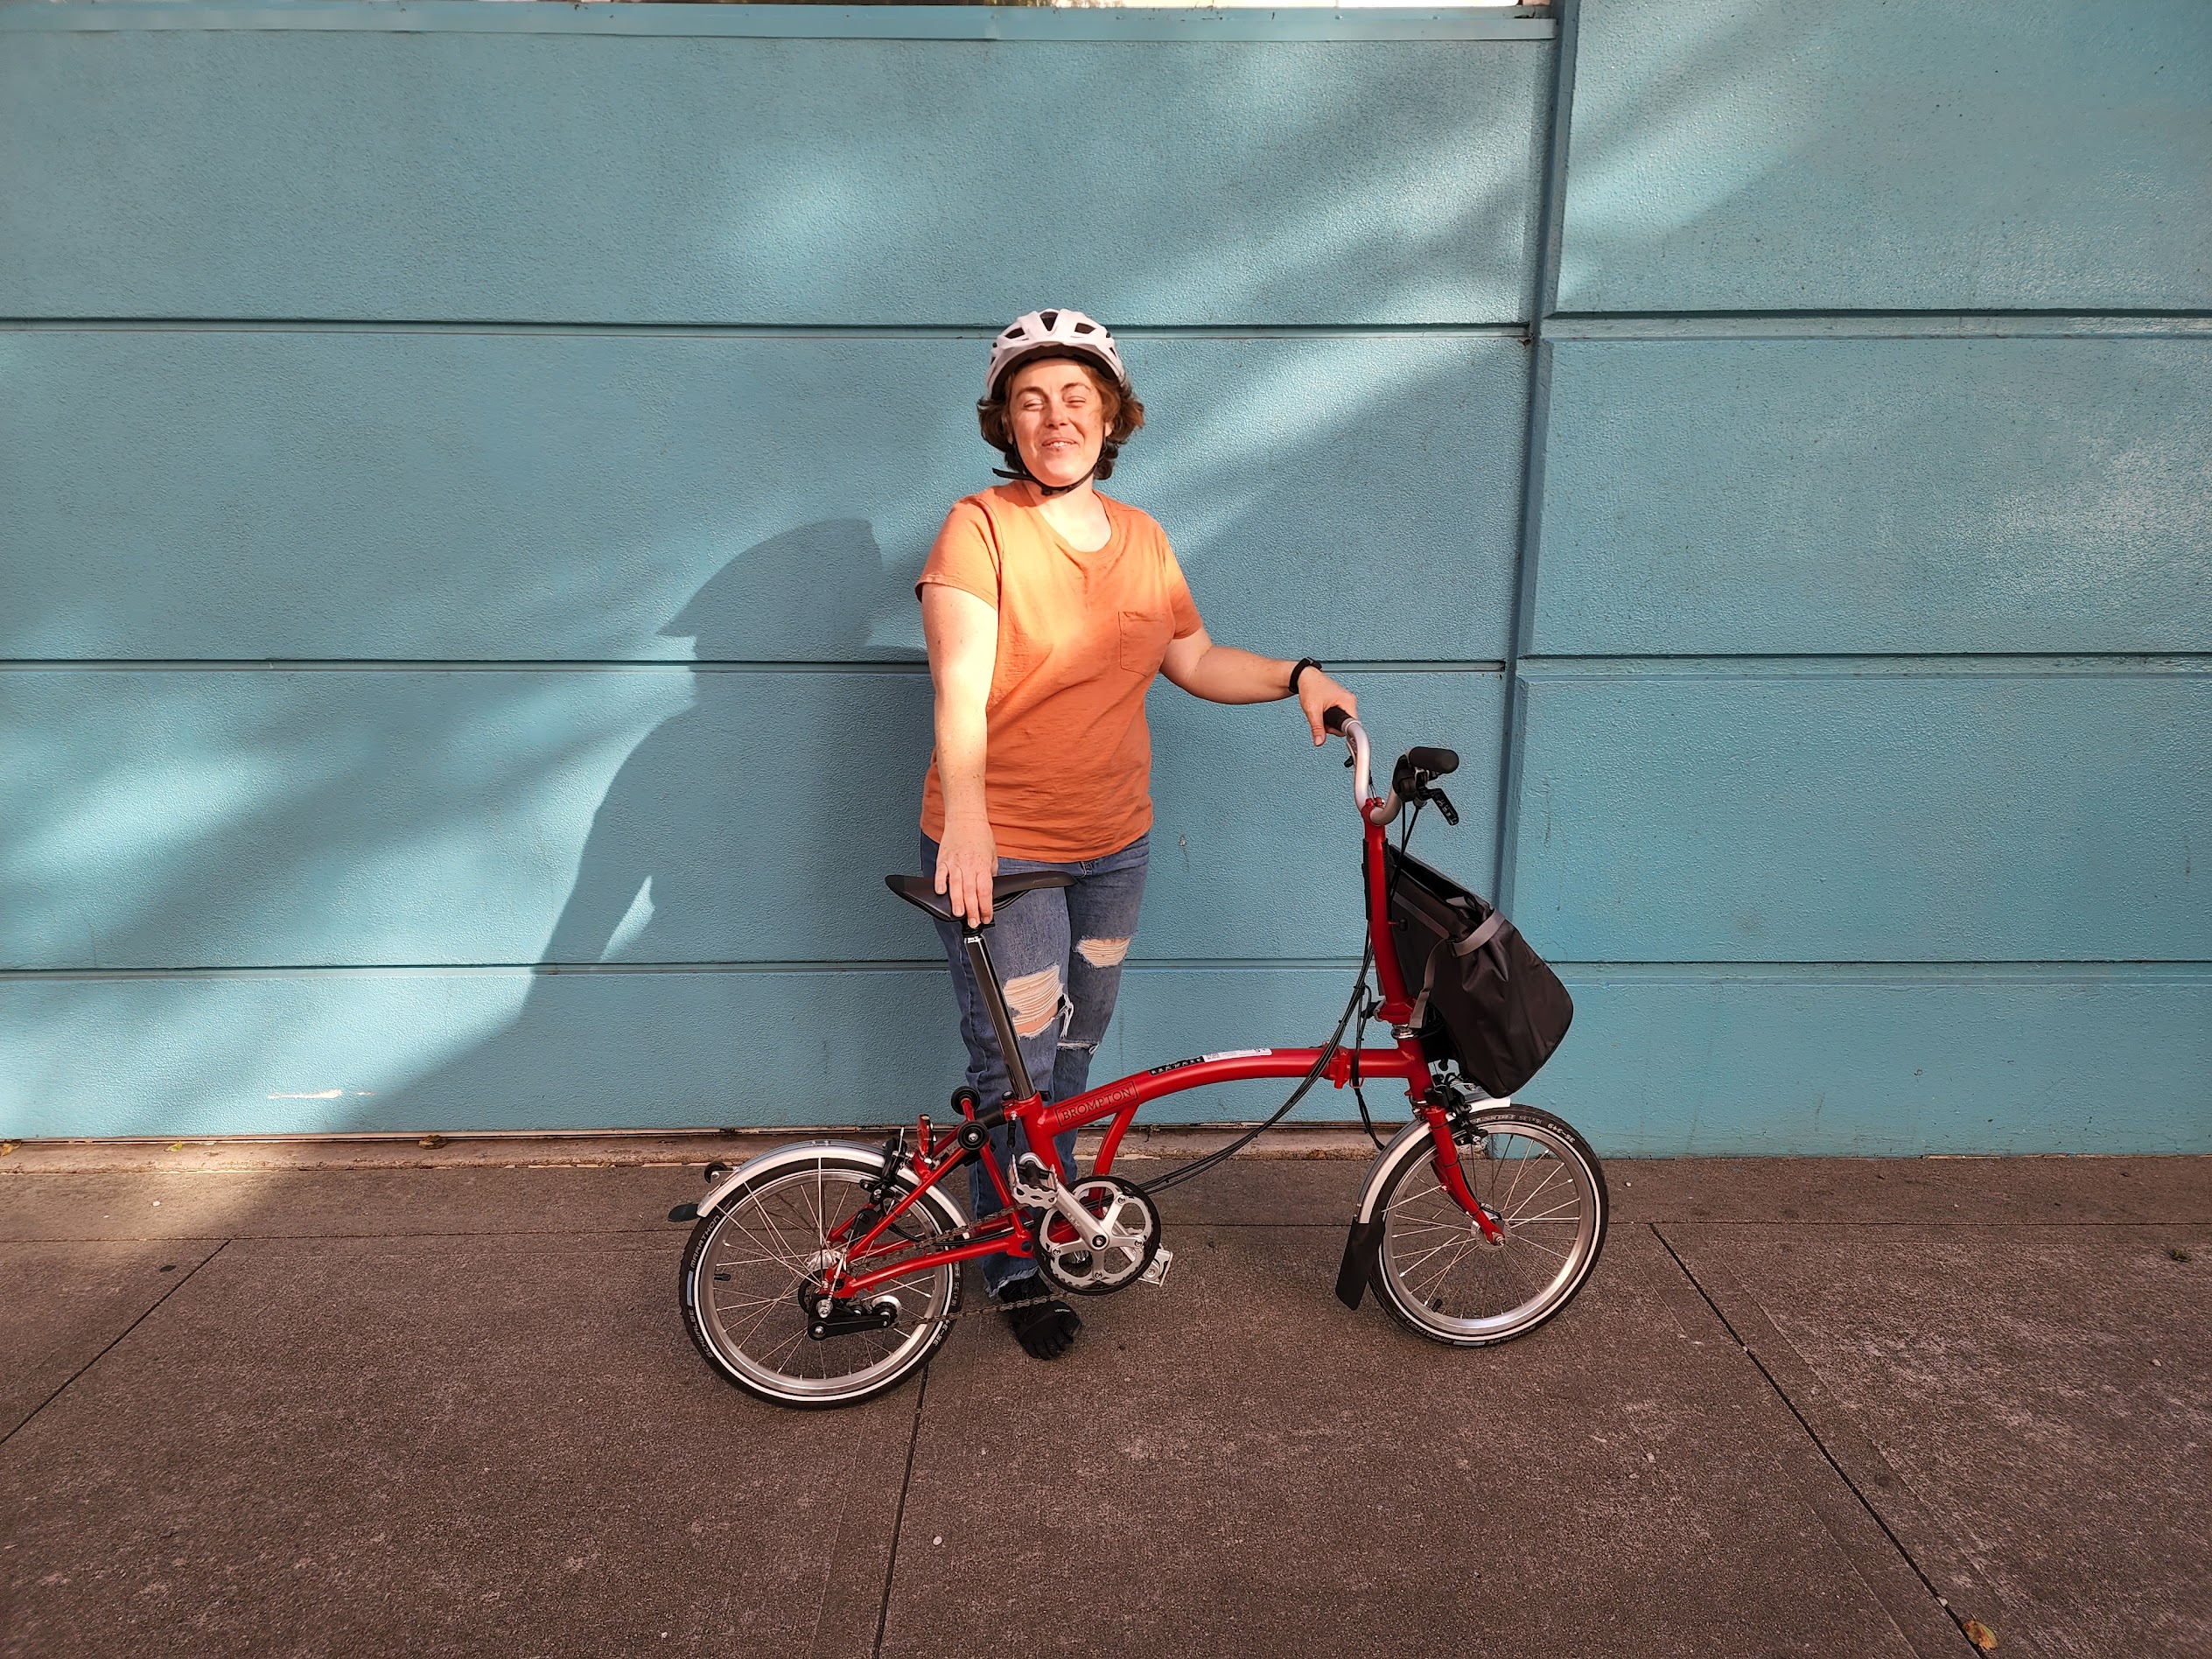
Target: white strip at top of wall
{"type": "Point", "coordinates": [1244, 20]}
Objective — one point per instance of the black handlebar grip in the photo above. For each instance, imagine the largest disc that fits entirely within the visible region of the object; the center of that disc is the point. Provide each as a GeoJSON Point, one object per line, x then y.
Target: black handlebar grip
{"type": "Point", "coordinates": [1333, 719]}
{"type": "Point", "coordinates": [1437, 763]}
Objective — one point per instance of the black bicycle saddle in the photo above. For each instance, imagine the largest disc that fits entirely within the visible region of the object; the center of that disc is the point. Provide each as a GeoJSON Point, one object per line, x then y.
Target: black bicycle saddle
{"type": "Point", "coordinates": [921, 891]}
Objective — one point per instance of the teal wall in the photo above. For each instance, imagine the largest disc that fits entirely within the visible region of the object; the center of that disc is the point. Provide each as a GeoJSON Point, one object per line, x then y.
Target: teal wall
{"type": "Point", "coordinates": [463, 467]}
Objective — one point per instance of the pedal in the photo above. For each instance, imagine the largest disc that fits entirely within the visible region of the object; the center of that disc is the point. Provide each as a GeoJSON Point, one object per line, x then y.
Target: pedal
{"type": "Point", "coordinates": [1033, 1182]}
{"type": "Point", "coordinates": [1156, 1270]}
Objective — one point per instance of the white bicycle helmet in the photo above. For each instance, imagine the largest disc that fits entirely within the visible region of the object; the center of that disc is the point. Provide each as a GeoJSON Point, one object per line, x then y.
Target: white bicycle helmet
{"type": "Point", "coordinates": [1055, 332]}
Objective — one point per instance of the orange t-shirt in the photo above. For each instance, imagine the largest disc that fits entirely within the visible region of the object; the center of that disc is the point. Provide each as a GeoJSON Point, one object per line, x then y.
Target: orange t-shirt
{"type": "Point", "coordinates": [1080, 635]}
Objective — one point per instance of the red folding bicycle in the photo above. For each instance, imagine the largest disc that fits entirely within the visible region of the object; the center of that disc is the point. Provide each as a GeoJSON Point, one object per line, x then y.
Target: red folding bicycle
{"type": "Point", "coordinates": [824, 1272]}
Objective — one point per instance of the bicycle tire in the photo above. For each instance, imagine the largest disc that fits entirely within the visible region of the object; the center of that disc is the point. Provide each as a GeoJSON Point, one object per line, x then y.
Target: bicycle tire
{"type": "Point", "coordinates": [1438, 1275]}
{"type": "Point", "coordinates": [748, 1256]}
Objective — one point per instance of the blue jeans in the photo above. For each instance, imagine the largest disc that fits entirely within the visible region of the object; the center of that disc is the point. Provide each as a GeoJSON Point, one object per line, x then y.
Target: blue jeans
{"type": "Point", "coordinates": [1059, 955]}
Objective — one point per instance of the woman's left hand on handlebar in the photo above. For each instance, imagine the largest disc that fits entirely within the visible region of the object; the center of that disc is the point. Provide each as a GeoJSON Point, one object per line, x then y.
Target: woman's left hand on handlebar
{"type": "Point", "coordinates": [1317, 694]}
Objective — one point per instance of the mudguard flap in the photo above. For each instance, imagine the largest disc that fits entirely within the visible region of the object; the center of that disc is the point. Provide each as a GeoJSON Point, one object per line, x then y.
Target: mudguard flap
{"type": "Point", "coordinates": [1361, 1247]}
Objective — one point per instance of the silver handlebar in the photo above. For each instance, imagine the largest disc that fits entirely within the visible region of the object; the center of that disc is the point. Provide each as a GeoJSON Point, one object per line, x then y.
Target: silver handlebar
{"type": "Point", "coordinates": [1355, 736]}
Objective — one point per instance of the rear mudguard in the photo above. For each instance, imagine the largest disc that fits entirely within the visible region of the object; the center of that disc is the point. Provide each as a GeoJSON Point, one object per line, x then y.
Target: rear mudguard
{"type": "Point", "coordinates": [798, 1152]}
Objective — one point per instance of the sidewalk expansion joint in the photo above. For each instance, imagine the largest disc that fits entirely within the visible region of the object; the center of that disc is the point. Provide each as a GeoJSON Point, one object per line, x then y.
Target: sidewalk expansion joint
{"type": "Point", "coordinates": [1963, 1577]}
{"type": "Point", "coordinates": [110, 1348]}
{"type": "Point", "coordinates": [899, 1515]}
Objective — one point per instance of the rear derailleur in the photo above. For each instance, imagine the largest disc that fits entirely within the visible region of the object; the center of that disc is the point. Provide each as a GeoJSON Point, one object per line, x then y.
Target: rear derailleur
{"type": "Point", "coordinates": [829, 1316]}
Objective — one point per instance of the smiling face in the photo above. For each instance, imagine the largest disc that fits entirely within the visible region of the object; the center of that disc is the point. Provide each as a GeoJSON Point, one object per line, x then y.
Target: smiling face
{"type": "Point", "coordinates": [1059, 414]}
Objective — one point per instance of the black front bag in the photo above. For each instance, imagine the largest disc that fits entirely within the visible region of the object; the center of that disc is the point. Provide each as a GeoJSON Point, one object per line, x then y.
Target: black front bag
{"type": "Point", "coordinates": [1481, 997]}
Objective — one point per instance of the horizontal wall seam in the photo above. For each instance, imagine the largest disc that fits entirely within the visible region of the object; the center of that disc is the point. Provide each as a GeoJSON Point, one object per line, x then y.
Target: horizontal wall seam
{"type": "Point", "coordinates": [701, 330]}
{"type": "Point", "coordinates": [576, 665]}
{"type": "Point", "coordinates": [980, 25]}
{"type": "Point", "coordinates": [452, 665]}
{"type": "Point", "coordinates": [2087, 970]}
{"type": "Point", "coordinates": [1993, 325]}
{"type": "Point", "coordinates": [2043, 971]}
{"type": "Point", "coordinates": [555, 969]}
{"type": "Point", "coordinates": [1900, 665]}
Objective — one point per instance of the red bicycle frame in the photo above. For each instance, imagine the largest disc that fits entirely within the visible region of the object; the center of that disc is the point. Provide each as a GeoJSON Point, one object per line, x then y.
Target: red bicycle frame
{"type": "Point", "coordinates": [869, 1261]}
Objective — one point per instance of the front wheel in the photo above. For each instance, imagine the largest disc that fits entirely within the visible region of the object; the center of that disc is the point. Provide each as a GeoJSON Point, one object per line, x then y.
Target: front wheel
{"type": "Point", "coordinates": [1436, 1272]}
{"type": "Point", "coordinates": [772, 1235]}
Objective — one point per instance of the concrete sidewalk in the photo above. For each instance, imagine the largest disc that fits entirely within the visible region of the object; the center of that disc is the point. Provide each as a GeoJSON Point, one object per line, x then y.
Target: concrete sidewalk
{"type": "Point", "coordinates": [1803, 1408]}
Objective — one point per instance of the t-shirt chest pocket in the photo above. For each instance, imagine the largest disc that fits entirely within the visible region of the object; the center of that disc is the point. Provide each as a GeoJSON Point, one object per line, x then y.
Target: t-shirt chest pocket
{"type": "Point", "coordinates": [1144, 641]}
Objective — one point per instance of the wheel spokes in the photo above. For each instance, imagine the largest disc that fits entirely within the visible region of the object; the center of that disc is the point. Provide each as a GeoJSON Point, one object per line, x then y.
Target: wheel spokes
{"type": "Point", "coordinates": [773, 1242]}
{"type": "Point", "coordinates": [1458, 1279]}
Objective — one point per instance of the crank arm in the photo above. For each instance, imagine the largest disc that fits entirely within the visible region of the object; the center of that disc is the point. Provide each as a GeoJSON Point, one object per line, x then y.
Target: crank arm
{"type": "Point", "coordinates": [1096, 1235]}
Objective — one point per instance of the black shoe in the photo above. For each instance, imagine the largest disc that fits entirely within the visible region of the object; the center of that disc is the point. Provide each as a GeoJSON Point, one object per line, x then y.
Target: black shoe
{"type": "Point", "coordinates": [1046, 1329]}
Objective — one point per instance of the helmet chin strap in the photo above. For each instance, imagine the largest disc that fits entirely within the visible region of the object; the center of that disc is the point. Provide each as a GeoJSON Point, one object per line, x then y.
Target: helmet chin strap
{"type": "Point", "coordinates": [1025, 476]}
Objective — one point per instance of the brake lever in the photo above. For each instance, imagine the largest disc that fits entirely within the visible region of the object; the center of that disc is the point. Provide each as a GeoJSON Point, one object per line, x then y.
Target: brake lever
{"type": "Point", "coordinates": [1444, 805]}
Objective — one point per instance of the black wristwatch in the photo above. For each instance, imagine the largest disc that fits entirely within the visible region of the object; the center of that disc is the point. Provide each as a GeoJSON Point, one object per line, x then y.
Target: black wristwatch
{"type": "Point", "coordinates": [1300, 667]}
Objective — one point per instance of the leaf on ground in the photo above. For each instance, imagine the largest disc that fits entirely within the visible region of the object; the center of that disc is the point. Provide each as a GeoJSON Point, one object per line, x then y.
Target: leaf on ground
{"type": "Point", "coordinates": [1981, 1635]}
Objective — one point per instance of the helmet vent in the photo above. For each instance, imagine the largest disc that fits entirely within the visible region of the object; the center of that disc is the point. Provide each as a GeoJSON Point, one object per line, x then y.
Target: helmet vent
{"type": "Point", "coordinates": [1040, 331]}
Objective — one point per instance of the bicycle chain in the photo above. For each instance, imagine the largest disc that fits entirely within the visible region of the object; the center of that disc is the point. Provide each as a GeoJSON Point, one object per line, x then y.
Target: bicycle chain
{"type": "Point", "coordinates": [989, 1307]}
{"type": "Point", "coordinates": [961, 1235]}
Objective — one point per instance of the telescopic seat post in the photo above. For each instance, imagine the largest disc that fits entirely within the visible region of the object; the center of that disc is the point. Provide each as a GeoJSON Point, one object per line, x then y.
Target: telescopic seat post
{"type": "Point", "coordinates": [1017, 1085]}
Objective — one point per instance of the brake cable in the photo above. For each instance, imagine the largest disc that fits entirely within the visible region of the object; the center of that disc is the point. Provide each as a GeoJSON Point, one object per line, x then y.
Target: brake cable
{"type": "Point", "coordinates": [1220, 1154]}
{"type": "Point", "coordinates": [1367, 1007]}
{"type": "Point", "coordinates": [1359, 1004]}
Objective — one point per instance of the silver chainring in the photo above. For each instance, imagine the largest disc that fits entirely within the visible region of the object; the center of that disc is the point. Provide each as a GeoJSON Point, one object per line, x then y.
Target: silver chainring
{"type": "Point", "coordinates": [1127, 1221]}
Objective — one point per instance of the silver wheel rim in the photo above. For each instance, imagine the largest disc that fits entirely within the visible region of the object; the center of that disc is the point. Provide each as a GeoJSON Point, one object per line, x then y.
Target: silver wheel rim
{"type": "Point", "coordinates": [767, 1239]}
{"type": "Point", "coordinates": [1448, 1276]}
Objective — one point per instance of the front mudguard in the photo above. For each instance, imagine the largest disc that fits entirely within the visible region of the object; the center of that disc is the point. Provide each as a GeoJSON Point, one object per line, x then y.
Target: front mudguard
{"type": "Point", "coordinates": [1363, 1244]}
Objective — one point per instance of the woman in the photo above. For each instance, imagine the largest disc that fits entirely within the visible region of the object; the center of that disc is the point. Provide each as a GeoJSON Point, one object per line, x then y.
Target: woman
{"type": "Point", "coordinates": [1048, 608]}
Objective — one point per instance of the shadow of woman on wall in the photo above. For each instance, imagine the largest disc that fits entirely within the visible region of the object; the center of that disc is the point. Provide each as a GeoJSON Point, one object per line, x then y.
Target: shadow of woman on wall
{"type": "Point", "coordinates": [727, 912]}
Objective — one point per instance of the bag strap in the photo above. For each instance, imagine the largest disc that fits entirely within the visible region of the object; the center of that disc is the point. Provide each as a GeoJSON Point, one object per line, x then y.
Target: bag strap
{"type": "Point", "coordinates": [1428, 983]}
{"type": "Point", "coordinates": [1494, 925]}
{"type": "Point", "coordinates": [1482, 935]}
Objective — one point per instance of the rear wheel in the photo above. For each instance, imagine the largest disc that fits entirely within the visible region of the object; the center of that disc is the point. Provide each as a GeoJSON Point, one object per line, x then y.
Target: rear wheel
{"type": "Point", "coordinates": [749, 1257]}
{"type": "Point", "coordinates": [1438, 1274]}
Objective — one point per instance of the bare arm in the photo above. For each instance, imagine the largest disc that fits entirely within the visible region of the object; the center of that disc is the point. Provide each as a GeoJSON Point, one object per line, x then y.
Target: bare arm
{"type": "Point", "coordinates": [963, 635]}
{"type": "Point", "coordinates": [1223, 673]}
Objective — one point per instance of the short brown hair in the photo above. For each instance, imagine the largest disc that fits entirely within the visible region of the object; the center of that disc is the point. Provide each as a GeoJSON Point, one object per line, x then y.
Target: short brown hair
{"type": "Point", "coordinates": [1123, 414]}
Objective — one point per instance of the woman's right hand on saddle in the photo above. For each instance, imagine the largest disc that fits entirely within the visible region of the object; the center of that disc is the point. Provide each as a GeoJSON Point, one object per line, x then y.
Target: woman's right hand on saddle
{"type": "Point", "coordinates": [966, 859]}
